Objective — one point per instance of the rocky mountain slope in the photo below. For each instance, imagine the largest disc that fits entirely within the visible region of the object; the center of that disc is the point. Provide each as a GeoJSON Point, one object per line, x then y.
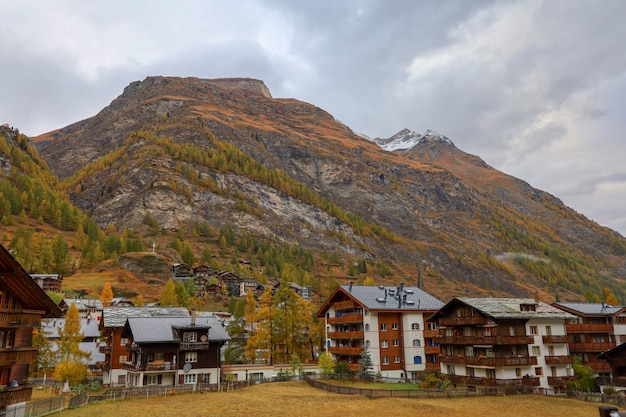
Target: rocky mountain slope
{"type": "Point", "coordinates": [225, 152]}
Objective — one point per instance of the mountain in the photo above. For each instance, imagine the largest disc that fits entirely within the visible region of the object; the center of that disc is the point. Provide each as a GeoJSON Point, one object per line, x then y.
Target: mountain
{"type": "Point", "coordinates": [185, 151]}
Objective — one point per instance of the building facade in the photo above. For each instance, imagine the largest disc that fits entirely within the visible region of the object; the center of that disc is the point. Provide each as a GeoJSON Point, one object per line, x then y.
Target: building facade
{"type": "Point", "coordinates": [390, 322]}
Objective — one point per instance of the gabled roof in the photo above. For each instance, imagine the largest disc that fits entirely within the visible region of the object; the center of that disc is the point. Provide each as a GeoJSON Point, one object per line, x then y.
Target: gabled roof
{"type": "Point", "coordinates": [83, 304]}
{"type": "Point", "coordinates": [51, 327]}
{"type": "Point", "coordinates": [31, 295]}
{"type": "Point", "coordinates": [380, 298]}
{"type": "Point", "coordinates": [508, 308]}
{"type": "Point", "coordinates": [117, 316]}
{"type": "Point", "coordinates": [590, 309]}
{"type": "Point", "coordinates": [161, 329]}
{"type": "Point", "coordinates": [617, 350]}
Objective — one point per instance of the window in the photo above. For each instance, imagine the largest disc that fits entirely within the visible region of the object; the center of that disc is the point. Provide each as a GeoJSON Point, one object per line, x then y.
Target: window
{"type": "Point", "coordinates": [394, 326]}
{"type": "Point", "coordinates": [469, 351]}
{"type": "Point", "coordinates": [450, 370]}
{"type": "Point", "coordinates": [396, 342]}
{"type": "Point", "coordinates": [491, 373]}
{"type": "Point", "coordinates": [1, 339]}
{"type": "Point", "coordinates": [190, 337]}
{"type": "Point", "coordinates": [487, 331]}
{"type": "Point", "coordinates": [190, 378]}
{"type": "Point", "coordinates": [433, 326]}
{"type": "Point", "coordinates": [121, 379]}
{"type": "Point", "coordinates": [534, 331]}
{"type": "Point", "coordinates": [417, 360]}
{"type": "Point", "coordinates": [416, 343]}
{"type": "Point", "coordinates": [383, 327]}
{"type": "Point", "coordinates": [152, 379]}
{"type": "Point", "coordinates": [469, 371]}
{"type": "Point", "coordinates": [518, 372]}
{"type": "Point", "coordinates": [467, 331]}
{"type": "Point", "coordinates": [367, 344]}
{"type": "Point", "coordinates": [538, 371]}
{"type": "Point", "coordinates": [415, 326]}
{"type": "Point", "coordinates": [123, 358]}
{"type": "Point", "coordinates": [536, 351]}
{"type": "Point", "coordinates": [385, 360]}
{"type": "Point", "coordinates": [367, 327]}
{"type": "Point", "coordinates": [548, 330]}
{"type": "Point", "coordinates": [396, 359]}
{"type": "Point", "coordinates": [191, 357]}
{"type": "Point", "coordinates": [10, 339]}
{"type": "Point", "coordinates": [384, 344]}
{"type": "Point", "coordinates": [124, 341]}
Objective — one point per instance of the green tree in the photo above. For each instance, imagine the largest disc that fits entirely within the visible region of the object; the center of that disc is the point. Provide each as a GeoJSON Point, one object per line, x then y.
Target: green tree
{"type": "Point", "coordinates": [187, 254]}
{"type": "Point", "coordinates": [366, 367]}
{"type": "Point", "coordinates": [60, 254]}
{"type": "Point", "coordinates": [326, 365]}
{"type": "Point", "coordinates": [57, 297]}
{"type": "Point", "coordinates": [585, 380]}
{"type": "Point", "coordinates": [46, 357]}
{"type": "Point", "coordinates": [182, 295]}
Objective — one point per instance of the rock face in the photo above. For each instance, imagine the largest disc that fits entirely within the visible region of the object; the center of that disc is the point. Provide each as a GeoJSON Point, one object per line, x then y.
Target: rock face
{"type": "Point", "coordinates": [427, 203]}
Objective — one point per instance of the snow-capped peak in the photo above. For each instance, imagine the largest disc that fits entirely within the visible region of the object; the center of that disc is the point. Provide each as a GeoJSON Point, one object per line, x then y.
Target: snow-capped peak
{"type": "Point", "coordinates": [407, 139]}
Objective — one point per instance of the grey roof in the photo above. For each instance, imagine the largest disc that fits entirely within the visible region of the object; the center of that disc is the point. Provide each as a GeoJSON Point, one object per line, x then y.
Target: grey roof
{"type": "Point", "coordinates": [116, 316]}
{"type": "Point", "coordinates": [161, 329]}
{"type": "Point", "coordinates": [51, 327]}
{"type": "Point", "coordinates": [509, 308]}
{"type": "Point", "coordinates": [378, 298]}
{"type": "Point", "coordinates": [591, 309]}
{"type": "Point", "coordinates": [84, 303]}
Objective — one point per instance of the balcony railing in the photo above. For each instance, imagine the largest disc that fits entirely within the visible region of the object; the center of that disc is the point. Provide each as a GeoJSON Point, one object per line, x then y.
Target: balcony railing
{"type": "Point", "coordinates": [432, 350]}
{"type": "Point", "coordinates": [462, 321]}
{"type": "Point", "coordinates": [20, 318]}
{"type": "Point", "coordinates": [489, 361]}
{"type": "Point", "coordinates": [105, 349]}
{"type": "Point", "coordinates": [352, 318]}
{"type": "Point", "coordinates": [19, 356]}
{"type": "Point", "coordinates": [589, 328]}
{"type": "Point", "coordinates": [493, 382]}
{"type": "Point", "coordinates": [428, 333]}
{"type": "Point", "coordinates": [148, 367]}
{"type": "Point", "coordinates": [560, 381]}
{"type": "Point", "coordinates": [591, 347]}
{"type": "Point", "coordinates": [344, 305]}
{"type": "Point", "coordinates": [346, 335]}
{"type": "Point", "coordinates": [559, 360]}
{"type": "Point", "coordinates": [554, 339]}
{"type": "Point", "coordinates": [194, 345]}
{"type": "Point", "coordinates": [433, 366]}
{"type": "Point", "coordinates": [599, 366]}
{"type": "Point", "coordinates": [485, 340]}
{"type": "Point", "coordinates": [15, 395]}
{"type": "Point", "coordinates": [345, 350]}
{"type": "Point", "coordinates": [617, 382]}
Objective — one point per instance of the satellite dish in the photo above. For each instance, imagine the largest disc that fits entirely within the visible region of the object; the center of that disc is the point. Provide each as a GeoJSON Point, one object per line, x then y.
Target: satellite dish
{"type": "Point", "coordinates": [203, 338]}
{"type": "Point", "coordinates": [187, 367]}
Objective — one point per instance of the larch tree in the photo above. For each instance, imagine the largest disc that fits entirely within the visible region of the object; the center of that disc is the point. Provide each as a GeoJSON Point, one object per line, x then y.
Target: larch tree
{"type": "Point", "coordinates": [71, 364]}
{"type": "Point", "coordinates": [167, 297]}
{"type": "Point", "coordinates": [107, 294]}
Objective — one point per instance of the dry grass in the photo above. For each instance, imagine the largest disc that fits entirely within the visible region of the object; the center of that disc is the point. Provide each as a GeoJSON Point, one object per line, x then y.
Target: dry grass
{"type": "Point", "coordinates": [299, 399]}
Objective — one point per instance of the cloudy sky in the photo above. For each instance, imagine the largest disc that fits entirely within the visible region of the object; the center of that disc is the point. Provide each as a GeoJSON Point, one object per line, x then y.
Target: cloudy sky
{"type": "Point", "coordinates": [535, 88]}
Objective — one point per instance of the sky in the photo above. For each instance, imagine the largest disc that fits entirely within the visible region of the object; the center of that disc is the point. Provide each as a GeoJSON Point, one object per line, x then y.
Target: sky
{"type": "Point", "coordinates": [536, 88]}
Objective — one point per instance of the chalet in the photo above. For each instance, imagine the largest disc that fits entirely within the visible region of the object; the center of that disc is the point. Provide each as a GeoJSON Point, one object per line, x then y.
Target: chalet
{"type": "Point", "coordinates": [304, 292]}
{"type": "Point", "coordinates": [49, 282]}
{"type": "Point", "coordinates": [121, 302]}
{"type": "Point", "coordinates": [503, 344]}
{"type": "Point", "coordinates": [181, 271]}
{"type": "Point", "coordinates": [616, 359]}
{"type": "Point", "coordinates": [88, 308]}
{"type": "Point", "coordinates": [174, 350]}
{"type": "Point", "coordinates": [597, 327]}
{"type": "Point", "coordinates": [203, 271]}
{"type": "Point", "coordinates": [23, 304]}
{"type": "Point", "coordinates": [114, 345]}
{"type": "Point", "coordinates": [390, 322]}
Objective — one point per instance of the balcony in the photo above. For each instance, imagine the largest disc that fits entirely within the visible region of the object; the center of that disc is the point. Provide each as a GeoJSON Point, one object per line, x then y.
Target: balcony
{"type": "Point", "coordinates": [19, 318]}
{"type": "Point", "coordinates": [560, 381]}
{"type": "Point", "coordinates": [462, 321]}
{"type": "Point", "coordinates": [485, 340]}
{"type": "Point", "coordinates": [20, 356]}
{"type": "Point", "coordinates": [106, 349]}
{"type": "Point", "coordinates": [589, 328]}
{"type": "Point", "coordinates": [353, 318]}
{"type": "Point", "coordinates": [433, 366]}
{"type": "Point", "coordinates": [493, 382]}
{"type": "Point", "coordinates": [155, 366]}
{"type": "Point", "coordinates": [429, 334]}
{"type": "Point", "coordinates": [194, 345]}
{"type": "Point", "coordinates": [489, 361]}
{"type": "Point", "coordinates": [132, 347]}
{"type": "Point", "coordinates": [552, 340]}
{"type": "Point", "coordinates": [599, 366]}
{"type": "Point", "coordinates": [345, 350]}
{"type": "Point", "coordinates": [344, 305]}
{"type": "Point", "coordinates": [432, 350]}
{"type": "Point", "coordinates": [15, 395]}
{"type": "Point", "coordinates": [617, 382]}
{"type": "Point", "coordinates": [591, 347]}
{"type": "Point", "coordinates": [346, 335]}
{"type": "Point", "coordinates": [559, 360]}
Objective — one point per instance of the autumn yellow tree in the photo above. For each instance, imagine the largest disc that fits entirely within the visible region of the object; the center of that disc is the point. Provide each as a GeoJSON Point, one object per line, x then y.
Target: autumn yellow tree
{"type": "Point", "coordinates": [72, 360]}
{"type": "Point", "coordinates": [167, 297]}
{"type": "Point", "coordinates": [107, 294]}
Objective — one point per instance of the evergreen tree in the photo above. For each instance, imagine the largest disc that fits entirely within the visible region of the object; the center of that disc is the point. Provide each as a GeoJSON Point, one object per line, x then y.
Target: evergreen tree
{"type": "Point", "coordinates": [167, 297]}
{"type": "Point", "coordinates": [366, 366]}
{"type": "Point", "coordinates": [187, 254]}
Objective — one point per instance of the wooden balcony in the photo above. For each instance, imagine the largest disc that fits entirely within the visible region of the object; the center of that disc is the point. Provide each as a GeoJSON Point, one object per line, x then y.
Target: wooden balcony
{"type": "Point", "coordinates": [19, 318]}
{"type": "Point", "coordinates": [559, 360]}
{"type": "Point", "coordinates": [148, 367]}
{"type": "Point", "coordinates": [15, 395]}
{"type": "Point", "coordinates": [345, 350]}
{"type": "Point", "coordinates": [19, 356]}
{"type": "Point", "coordinates": [429, 334]}
{"type": "Point", "coordinates": [462, 321]}
{"type": "Point", "coordinates": [591, 347]}
{"type": "Point", "coordinates": [106, 349]}
{"type": "Point", "coordinates": [617, 382]}
{"type": "Point", "coordinates": [553, 340]}
{"type": "Point", "coordinates": [194, 345]}
{"type": "Point", "coordinates": [353, 318]}
{"type": "Point", "coordinates": [346, 335]}
{"type": "Point", "coordinates": [132, 347]}
{"type": "Point", "coordinates": [493, 382]}
{"type": "Point", "coordinates": [344, 305]}
{"type": "Point", "coordinates": [433, 366]}
{"type": "Point", "coordinates": [485, 340]}
{"type": "Point", "coordinates": [589, 328]}
{"type": "Point", "coordinates": [599, 366]}
{"type": "Point", "coordinates": [354, 367]}
{"type": "Point", "coordinates": [432, 350]}
{"type": "Point", "coordinates": [485, 361]}
{"type": "Point", "coordinates": [560, 381]}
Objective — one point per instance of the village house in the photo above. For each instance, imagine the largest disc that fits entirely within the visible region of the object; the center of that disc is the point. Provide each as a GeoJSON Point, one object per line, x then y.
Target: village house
{"type": "Point", "coordinates": [174, 350]}
{"type": "Point", "coordinates": [597, 328]}
{"type": "Point", "coordinates": [504, 344]}
{"type": "Point", "coordinates": [49, 282]}
{"type": "Point", "coordinates": [114, 345]}
{"type": "Point", "coordinates": [390, 322]}
{"type": "Point", "coordinates": [88, 308]}
{"type": "Point", "coordinates": [23, 304]}
{"type": "Point", "coordinates": [616, 358]}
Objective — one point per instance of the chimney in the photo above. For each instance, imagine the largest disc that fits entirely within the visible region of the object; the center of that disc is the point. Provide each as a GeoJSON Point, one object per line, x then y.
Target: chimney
{"type": "Point", "coordinates": [350, 286]}
{"type": "Point", "coordinates": [193, 316]}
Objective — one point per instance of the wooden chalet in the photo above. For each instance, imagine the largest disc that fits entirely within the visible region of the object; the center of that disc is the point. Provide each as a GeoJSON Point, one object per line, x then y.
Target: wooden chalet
{"type": "Point", "coordinates": [616, 358]}
{"type": "Point", "coordinates": [181, 271]}
{"type": "Point", "coordinates": [49, 282]}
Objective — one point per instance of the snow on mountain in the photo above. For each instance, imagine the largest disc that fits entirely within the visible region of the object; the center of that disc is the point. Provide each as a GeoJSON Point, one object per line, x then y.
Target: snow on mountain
{"type": "Point", "coordinates": [407, 139]}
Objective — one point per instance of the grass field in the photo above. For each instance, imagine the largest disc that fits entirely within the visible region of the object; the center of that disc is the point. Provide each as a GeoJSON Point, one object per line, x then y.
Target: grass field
{"type": "Point", "coordinates": [299, 399]}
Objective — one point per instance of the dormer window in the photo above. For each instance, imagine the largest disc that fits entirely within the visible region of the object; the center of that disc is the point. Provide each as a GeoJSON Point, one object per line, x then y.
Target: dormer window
{"type": "Point", "coordinates": [190, 337]}
{"type": "Point", "coordinates": [528, 307]}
